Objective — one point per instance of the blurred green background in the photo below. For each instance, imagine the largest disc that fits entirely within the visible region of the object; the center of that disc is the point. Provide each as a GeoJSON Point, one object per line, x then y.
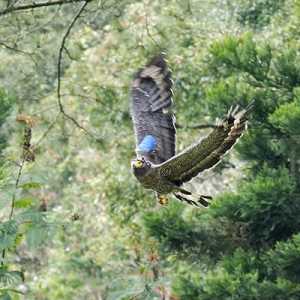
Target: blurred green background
{"type": "Point", "coordinates": [74, 222]}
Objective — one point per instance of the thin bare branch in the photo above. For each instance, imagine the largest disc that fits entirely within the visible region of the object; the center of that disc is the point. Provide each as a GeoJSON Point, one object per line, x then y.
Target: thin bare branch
{"type": "Point", "coordinates": [36, 5]}
{"type": "Point", "coordinates": [15, 49]}
{"type": "Point", "coordinates": [148, 29]}
{"type": "Point", "coordinates": [50, 127]}
{"type": "Point", "coordinates": [69, 54]}
{"type": "Point", "coordinates": [59, 63]}
{"type": "Point", "coordinates": [18, 51]}
{"type": "Point", "coordinates": [86, 97]}
{"type": "Point", "coordinates": [11, 3]}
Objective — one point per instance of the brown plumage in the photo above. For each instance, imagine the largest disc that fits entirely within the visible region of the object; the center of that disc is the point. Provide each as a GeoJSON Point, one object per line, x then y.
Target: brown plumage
{"type": "Point", "coordinates": [207, 152]}
{"type": "Point", "coordinates": [157, 167]}
{"type": "Point", "coordinates": [151, 109]}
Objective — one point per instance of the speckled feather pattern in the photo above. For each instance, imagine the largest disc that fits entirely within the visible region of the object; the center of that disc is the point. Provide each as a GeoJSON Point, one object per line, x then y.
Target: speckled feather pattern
{"type": "Point", "coordinates": [207, 152]}
{"type": "Point", "coordinates": [151, 109]}
{"type": "Point", "coordinates": [163, 171]}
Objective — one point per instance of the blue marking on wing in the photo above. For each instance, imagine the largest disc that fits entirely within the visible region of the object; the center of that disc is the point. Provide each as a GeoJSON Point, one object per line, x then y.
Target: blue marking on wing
{"type": "Point", "coordinates": [148, 144]}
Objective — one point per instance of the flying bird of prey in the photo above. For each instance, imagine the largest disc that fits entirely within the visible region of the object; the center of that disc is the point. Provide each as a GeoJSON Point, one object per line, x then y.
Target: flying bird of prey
{"type": "Point", "coordinates": [157, 167]}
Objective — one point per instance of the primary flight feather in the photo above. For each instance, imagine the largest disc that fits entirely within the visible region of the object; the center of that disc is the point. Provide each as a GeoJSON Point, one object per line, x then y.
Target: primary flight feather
{"type": "Point", "coordinates": [156, 166]}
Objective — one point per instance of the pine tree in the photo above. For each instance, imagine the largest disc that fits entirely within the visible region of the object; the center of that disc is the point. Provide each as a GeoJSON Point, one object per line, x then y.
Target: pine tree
{"type": "Point", "coordinates": [246, 246]}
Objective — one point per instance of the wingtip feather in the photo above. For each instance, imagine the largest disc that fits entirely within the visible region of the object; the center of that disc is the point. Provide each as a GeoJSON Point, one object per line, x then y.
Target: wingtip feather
{"type": "Point", "coordinates": [158, 60]}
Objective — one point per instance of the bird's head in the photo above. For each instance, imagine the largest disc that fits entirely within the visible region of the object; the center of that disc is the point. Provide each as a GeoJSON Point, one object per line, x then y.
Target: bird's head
{"type": "Point", "coordinates": [140, 166]}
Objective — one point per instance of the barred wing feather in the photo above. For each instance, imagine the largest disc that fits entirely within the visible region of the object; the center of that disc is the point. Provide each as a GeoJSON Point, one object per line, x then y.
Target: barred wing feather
{"type": "Point", "coordinates": [151, 111]}
{"type": "Point", "coordinates": [207, 152]}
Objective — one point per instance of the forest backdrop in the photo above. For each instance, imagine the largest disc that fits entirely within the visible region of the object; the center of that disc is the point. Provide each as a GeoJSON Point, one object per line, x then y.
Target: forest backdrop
{"type": "Point", "coordinates": [74, 223]}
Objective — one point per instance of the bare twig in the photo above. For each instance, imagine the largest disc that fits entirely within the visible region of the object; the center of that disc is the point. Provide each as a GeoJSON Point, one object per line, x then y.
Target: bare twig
{"type": "Point", "coordinates": [60, 56]}
{"type": "Point", "coordinates": [46, 131]}
{"type": "Point", "coordinates": [46, 109]}
{"type": "Point", "coordinates": [15, 49]}
{"type": "Point", "coordinates": [88, 97]}
{"type": "Point", "coordinates": [13, 8]}
{"type": "Point", "coordinates": [11, 3]}
{"type": "Point", "coordinates": [148, 29]}
{"type": "Point", "coordinates": [68, 53]}
{"type": "Point", "coordinates": [59, 95]}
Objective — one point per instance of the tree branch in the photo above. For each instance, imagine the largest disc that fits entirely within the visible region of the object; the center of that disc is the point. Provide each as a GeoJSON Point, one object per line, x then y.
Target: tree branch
{"type": "Point", "coordinates": [69, 54]}
{"type": "Point", "coordinates": [13, 8]}
{"type": "Point", "coordinates": [59, 63]}
{"type": "Point", "coordinates": [52, 124]}
{"type": "Point", "coordinates": [18, 51]}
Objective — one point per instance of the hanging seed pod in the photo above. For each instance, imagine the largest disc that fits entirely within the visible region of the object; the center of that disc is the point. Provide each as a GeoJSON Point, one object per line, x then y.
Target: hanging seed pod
{"type": "Point", "coordinates": [28, 153]}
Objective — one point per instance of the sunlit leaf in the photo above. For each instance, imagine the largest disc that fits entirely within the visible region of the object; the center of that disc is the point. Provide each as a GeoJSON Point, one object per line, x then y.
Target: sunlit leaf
{"type": "Point", "coordinates": [10, 277]}
{"type": "Point", "coordinates": [24, 202]}
{"type": "Point", "coordinates": [31, 185]}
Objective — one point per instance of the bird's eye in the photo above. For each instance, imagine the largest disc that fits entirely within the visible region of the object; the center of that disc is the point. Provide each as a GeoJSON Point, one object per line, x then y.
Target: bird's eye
{"type": "Point", "coordinates": [138, 164]}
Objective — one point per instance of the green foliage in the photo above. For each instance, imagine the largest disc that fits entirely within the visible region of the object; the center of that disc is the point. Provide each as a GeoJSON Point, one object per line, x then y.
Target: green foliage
{"type": "Point", "coordinates": [283, 260]}
{"type": "Point", "coordinates": [8, 234]}
{"type": "Point", "coordinates": [7, 103]}
{"type": "Point", "coordinates": [133, 287]}
{"type": "Point", "coordinates": [220, 94]}
{"type": "Point", "coordinates": [8, 280]}
{"type": "Point", "coordinates": [108, 109]}
{"type": "Point", "coordinates": [187, 285]}
{"type": "Point", "coordinates": [24, 202]}
{"type": "Point", "coordinates": [241, 55]}
{"type": "Point", "coordinates": [263, 207]}
{"type": "Point", "coordinates": [186, 237]}
{"type": "Point", "coordinates": [10, 277]}
{"type": "Point", "coordinates": [286, 68]}
{"type": "Point", "coordinates": [125, 198]}
{"type": "Point", "coordinates": [82, 227]}
{"type": "Point", "coordinates": [287, 118]}
{"type": "Point", "coordinates": [170, 229]}
{"type": "Point", "coordinates": [221, 284]}
{"type": "Point", "coordinates": [30, 185]}
{"type": "Point", "coordinates": [243, 276]}
{"type": "Point", "coordinates": [22, 225]}
{"type": "Point", "coordinates": [270, 78]}
{"type": "Point", "coordinates": [257, 13]}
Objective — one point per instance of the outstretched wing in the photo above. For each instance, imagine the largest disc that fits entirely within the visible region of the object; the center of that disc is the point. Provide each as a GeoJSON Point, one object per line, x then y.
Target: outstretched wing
{"type": "Point", "coordinates": [207, 152]}
{"type": "Point", "coordinates": [151, 111]}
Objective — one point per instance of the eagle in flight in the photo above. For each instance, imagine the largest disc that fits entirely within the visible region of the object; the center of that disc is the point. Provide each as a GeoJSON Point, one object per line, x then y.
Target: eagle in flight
{"type": "Point", "coordinates": [157, 166]}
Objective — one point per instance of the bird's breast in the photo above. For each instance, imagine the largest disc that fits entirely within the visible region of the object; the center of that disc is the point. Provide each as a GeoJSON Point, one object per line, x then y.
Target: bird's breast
{"type": "Point", "coordinates": [153, 181]}
{"type": "Point", "coordinates": [147, 180]}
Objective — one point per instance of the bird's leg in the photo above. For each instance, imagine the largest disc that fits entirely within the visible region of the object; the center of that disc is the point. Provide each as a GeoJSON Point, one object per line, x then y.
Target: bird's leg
{"type": "Point", "coordinates": [162, 199]}
{"type": "Point", "coordinates": [197, 200]}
